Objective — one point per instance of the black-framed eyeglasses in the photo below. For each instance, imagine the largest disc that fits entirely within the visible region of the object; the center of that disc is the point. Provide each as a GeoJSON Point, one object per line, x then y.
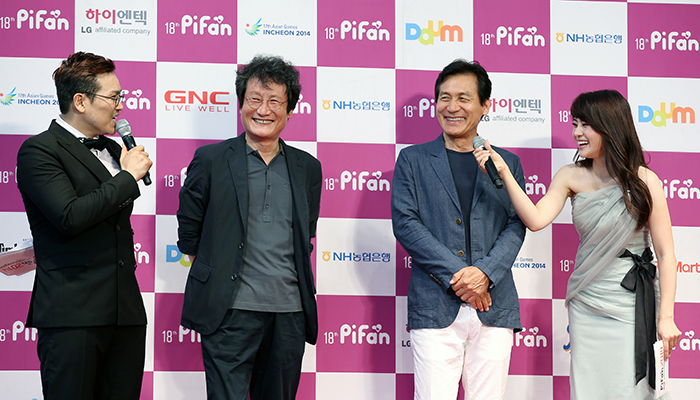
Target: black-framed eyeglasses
{"type": "Point", "coordinates": [116, 99]}
{"type": "Point", "coordinates": [272, 104]}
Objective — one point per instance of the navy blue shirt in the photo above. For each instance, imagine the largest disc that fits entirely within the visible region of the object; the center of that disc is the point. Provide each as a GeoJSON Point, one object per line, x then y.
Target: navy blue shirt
{"type": "Point", "coordinates": [464, 169]}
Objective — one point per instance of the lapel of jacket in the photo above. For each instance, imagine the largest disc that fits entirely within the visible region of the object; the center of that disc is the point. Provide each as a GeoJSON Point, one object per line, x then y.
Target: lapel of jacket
{"type": "Point", "coordinates": [73, 146]}
{"type": "Point", "coordinates": [480, 183]}
{"type": "Point", "coordinates": [441, 165]}
{"type": "Point", "coordinates": [297, 178]}
{"type": "Point", "coordinates": [238, 168]}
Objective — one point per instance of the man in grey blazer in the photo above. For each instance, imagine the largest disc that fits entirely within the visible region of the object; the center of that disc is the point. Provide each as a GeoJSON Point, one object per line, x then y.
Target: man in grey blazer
{"type": "Point", "coordinates": [463, 236]}
{"type": "Point", "coordinates": [248, 211]}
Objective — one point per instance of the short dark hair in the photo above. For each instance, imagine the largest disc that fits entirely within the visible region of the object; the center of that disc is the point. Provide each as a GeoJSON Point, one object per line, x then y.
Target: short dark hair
{"type": "Point", "coordinates": [78, 74]}
{"type": "Point", "coordinates": [609, 114]}
{"type": "Point", "coordinates": [464, 67]}
{"type": "Point", "coordinates": [269, 69]}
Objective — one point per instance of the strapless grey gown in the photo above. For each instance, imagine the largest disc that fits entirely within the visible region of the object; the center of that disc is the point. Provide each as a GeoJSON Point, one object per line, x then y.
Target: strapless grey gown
{"type": "Point", "coordinates": [601, 312]}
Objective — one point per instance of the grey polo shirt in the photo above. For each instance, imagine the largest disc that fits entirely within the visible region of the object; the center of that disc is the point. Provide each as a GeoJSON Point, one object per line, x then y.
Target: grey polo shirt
{"type": "Point", "coordinates": [268, 276]}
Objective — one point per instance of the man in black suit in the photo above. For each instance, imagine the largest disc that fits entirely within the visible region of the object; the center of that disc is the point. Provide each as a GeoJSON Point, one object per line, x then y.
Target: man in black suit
{"type": "Point", "coordinates": [86, 301]}
{"type": "Point", "coordinates": [248, 211]}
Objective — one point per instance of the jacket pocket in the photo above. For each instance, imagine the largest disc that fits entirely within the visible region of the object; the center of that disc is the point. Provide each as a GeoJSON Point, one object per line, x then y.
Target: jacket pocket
{"type": "Point", "coordinates": [200, 271]}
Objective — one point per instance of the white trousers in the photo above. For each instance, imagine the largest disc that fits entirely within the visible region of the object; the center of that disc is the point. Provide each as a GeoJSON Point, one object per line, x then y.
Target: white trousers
{"type": "Point", "coordinates": [467, 349]}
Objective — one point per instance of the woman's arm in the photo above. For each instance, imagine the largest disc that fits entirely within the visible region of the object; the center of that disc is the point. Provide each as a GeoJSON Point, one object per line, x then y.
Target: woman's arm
{"type": "Point", "coordinates": [662, 238]}
{"type": "Point", "coordinates": [534, 216]}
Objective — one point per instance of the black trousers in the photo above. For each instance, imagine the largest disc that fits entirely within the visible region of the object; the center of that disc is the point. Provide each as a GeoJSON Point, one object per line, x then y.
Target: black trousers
{"type": "Point", "coordinates": [260, 352]}
{"type": "Point", "coordinates": [101, 362]}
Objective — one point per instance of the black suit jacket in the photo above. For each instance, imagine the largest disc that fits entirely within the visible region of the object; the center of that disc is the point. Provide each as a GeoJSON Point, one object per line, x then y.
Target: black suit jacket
{"type": "Point", "coordinates": [83, 241]}
{"type": "Point", "coordinates": [212, 220]}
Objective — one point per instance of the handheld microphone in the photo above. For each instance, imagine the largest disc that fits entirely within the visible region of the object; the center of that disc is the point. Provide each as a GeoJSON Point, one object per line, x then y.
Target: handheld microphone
{"type": "Point", "coordinates": [124, 130]}
{"type": "Point", "coordinates": [478, 143]}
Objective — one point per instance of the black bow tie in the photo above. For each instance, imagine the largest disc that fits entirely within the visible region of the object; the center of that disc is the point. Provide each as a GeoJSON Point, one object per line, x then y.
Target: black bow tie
{"type": "Point", "coordinates": [99, 143]}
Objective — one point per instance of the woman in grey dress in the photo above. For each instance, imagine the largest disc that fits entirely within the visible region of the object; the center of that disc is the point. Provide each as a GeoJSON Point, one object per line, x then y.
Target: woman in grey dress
{"type": "Point", "coordinates": [617, 308]}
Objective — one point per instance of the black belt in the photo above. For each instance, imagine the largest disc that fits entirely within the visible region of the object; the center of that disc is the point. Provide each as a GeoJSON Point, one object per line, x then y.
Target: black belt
{"type": "Point", "coordinates": [640, 279]}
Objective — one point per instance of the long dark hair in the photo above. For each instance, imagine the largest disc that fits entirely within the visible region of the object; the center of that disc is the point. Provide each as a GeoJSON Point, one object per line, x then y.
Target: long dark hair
{"type": "Point", "coordinates": [608, 113]}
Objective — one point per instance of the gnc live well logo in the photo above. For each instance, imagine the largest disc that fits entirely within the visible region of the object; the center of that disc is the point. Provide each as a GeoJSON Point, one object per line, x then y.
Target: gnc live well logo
{"type": "Point", "coordinates": [197, 101]}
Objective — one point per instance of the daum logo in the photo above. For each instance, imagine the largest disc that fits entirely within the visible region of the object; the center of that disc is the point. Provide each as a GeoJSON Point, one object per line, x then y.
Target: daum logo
{"type": "Point", "coordinates": [689, 342]}
{"type": "Point", "coordinates": [196, 25]}
{"type": "Point", "coordinates": [6, 98]}
{"type": "Point", "coordinates": [518, 36]}
{"type": "Point", "coordinates": [173, 254]}
{"type": "Point", "coordinates": [353, 334]}
{"type": "Point", "coordinates": [362, 30]}
{"type": "Point", "coordinates": [530, 338]}
{"type": "Point", "coordinates": [351, 180]}
{"type": "Point", "coordinates": [660, 117]}
{"type": "Point", "coordinates": [41, 19]}
{"type": "Point", "coordinates": [427, 35]}
{"type": "Point", "coordinates": [205, 101]}
{"type": "Point", "coordinates": [682, 190]}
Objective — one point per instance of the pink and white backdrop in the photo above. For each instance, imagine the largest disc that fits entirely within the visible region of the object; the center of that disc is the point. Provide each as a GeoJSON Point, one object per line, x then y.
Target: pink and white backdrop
{"type": "Point", "coordinates": [367, 69]}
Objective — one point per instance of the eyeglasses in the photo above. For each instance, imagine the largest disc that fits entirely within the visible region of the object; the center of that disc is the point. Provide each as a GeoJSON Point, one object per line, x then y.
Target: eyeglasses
{"type": "Point", "coordinates": [116, 99]}
{"type": "Point", "coordinates": [272, 104]}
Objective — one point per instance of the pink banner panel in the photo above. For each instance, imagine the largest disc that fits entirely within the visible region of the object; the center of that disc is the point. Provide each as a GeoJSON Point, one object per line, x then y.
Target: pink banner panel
{"type": "Point", "coordinates": [200, 31]}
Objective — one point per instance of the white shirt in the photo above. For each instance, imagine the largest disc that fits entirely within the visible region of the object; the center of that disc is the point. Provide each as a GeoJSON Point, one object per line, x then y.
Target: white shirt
{"type": "Point", "coordinates": [103, 155]}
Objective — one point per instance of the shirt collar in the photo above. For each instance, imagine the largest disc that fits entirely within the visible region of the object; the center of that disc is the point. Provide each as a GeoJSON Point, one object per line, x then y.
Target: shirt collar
{"type": "Point", "coordinates": [249, 150]}
{"type": "Point", "coordinates": [69, 128]}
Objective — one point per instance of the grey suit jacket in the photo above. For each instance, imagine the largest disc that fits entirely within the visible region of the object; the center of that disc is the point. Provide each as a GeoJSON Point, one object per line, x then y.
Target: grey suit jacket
{"type": "Point", "coordinates": [212, 220]}
{"type": "Point", "coordinates": [426, 217]}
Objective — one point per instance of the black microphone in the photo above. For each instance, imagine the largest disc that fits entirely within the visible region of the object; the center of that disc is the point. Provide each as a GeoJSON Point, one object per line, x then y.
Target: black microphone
{"type": "Point", "coordinates": [124, 130]}
{"type": "Point", "coordinates": [478, 143]}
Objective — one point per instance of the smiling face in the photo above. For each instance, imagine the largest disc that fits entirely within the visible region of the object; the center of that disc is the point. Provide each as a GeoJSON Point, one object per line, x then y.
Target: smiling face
{"type": "Point", "coordinates": [100, 113]}
{"type": "Point", "coordinates": [264, 124]}
{"type": "Point", "coordinates": [459, 108]}
{"type": "Point", "coordinates": [589, 141]}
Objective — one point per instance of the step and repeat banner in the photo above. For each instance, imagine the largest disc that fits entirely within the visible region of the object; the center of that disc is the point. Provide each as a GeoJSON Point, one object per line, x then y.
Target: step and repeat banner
{"type": "Point", "coordinates": [368, 69]}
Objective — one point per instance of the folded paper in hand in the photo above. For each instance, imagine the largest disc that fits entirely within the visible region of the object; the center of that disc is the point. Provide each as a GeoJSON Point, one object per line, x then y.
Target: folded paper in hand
{"type": "Point", "coordinates": [19, 260]}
